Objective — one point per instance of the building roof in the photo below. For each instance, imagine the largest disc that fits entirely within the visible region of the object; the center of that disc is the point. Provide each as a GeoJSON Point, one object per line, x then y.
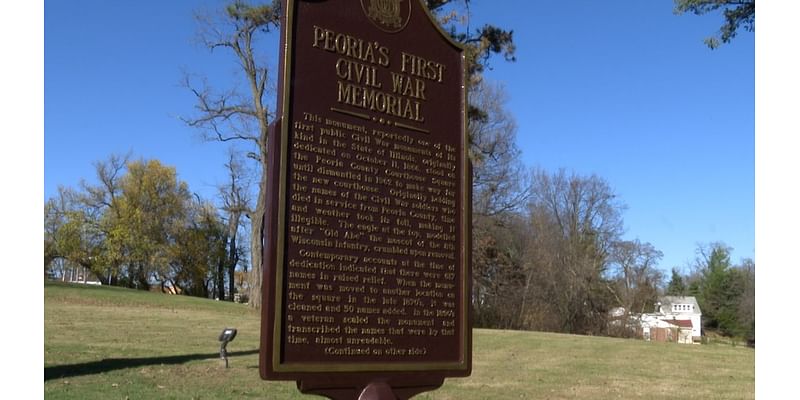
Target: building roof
{"type": "Point", "coordinates": [654, 323]}
{"type": "Point", "coordinates": [682, 323]}
{"type": "Point", "coordinates": [668, 301]}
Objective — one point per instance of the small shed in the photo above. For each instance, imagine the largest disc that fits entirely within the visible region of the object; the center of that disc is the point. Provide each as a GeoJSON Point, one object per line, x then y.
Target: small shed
{"type": "Point", "coordinates": [684, 330]}
{"type": "Point", "coordinates": [681, 308]}
{"type": "Point", "coordinates": [654, 329]}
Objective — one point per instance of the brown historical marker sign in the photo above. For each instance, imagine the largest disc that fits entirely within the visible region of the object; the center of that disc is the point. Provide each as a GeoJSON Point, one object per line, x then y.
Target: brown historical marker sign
{"type": "Point", "coordinates": [367, 233]}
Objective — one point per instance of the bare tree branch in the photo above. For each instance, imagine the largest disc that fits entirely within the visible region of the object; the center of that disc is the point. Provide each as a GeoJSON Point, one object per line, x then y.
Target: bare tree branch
{"type": "Point", "coordinates": [231, 117]}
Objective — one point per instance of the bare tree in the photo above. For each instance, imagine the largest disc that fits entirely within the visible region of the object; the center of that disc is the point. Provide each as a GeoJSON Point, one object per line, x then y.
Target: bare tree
{"type": "Point", "coordinates": [546, 269]}
{"type": "Point", "coordinates": [230, 116]}
{"type": "Point", "coordinates": [499, 190]}
{"type": "Point", "coordinates": [498, 275]}
{"type": "Point", "coordinates": [636, 276]}
{"type": "Point", "coordinates": [575, 220]}
{"type": "Point", "coordinates": [499, 180]}
{"type": "Point", "coordinates": [235, 198]}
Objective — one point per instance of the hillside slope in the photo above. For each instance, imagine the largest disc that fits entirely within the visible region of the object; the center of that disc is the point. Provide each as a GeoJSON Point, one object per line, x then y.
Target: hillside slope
{"type": "Point", "coordinates": [104, 342]}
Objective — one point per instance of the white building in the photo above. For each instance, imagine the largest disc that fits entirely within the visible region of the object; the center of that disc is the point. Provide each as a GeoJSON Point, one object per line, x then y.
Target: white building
{"type": "Point", "coordinates": [683, 316]}
{"type": "Point", "coordinates": [681, 308]}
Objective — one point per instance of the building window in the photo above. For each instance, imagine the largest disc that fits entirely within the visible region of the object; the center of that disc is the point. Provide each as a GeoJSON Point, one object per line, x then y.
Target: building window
{"type": "Point", "coordinates": [682, 307]}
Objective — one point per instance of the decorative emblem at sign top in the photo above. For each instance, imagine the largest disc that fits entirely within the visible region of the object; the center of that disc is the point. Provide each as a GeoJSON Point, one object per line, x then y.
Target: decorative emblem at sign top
{"type": "Point", "coordinates": [388, 15]}
{"type": "Point", "coordinates": [386, 11]}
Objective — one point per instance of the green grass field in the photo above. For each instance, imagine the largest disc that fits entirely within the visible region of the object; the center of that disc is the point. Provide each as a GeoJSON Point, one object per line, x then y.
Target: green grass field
{"type": "Point", "coordinates": [113, 343]}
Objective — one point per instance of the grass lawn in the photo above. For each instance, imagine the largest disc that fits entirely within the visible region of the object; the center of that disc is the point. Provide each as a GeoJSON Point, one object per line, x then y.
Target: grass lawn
{"type": "Point", "coordinates": [112, 343]}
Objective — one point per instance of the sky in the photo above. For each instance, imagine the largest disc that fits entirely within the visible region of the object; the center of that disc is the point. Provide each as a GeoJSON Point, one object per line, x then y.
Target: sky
{"type": "Point", "coordinates": [625, 90]}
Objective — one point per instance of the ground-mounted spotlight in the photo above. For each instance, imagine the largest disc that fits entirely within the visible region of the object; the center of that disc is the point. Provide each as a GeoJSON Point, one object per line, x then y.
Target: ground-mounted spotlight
{"type": "Point", "coordinates": [226, 336]}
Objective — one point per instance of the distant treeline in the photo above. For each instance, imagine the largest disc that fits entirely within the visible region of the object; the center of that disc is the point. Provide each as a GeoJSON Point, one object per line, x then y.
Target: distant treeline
{"type": "Point", "coordinates": [140, 227]}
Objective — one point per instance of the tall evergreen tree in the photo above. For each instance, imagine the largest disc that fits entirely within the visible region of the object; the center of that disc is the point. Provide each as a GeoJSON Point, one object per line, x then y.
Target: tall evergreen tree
{"type": "Point", "coordinates": [720, 289]}
{"type": "Point", "coordinates": [676, 286]}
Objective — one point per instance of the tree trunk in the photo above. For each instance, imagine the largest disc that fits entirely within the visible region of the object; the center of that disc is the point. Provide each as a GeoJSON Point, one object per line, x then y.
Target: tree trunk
{"type": "Point", "coordinates": [221, 279]}
{"type": "Point", "coordinates": [256, 247]}
{"type": "Point", "coordinates": [233, 254]}
{"type": "Point", "coordinates": [232, 261]}
{"type": "Point", "coordinates": [257, 217]}
{"type": "Point", "coordinates": [525, 290]}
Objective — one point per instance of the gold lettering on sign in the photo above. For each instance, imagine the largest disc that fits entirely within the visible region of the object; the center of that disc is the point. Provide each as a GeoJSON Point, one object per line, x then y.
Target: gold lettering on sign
{"type": "Point", "coordinates": [379, 101]}
{"type": "Point", "coordinates": [394, 205]}
{"type": "Point", "coordinates": [418, 66]}
{"type": "Point", "coordinates": [350, 46]}
{"type": "Point", "coordinates": [362, 69]}
{"type": "Point", "coordinates": [372, 214]}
